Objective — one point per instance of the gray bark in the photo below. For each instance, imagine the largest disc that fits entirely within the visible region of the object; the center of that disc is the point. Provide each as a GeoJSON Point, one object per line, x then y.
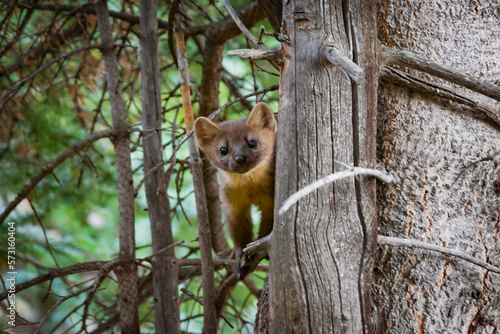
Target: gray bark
{"type": "Point", "coordinates": [322, 248]}
{"type": "Point", "coordinates": [444, 156]}
{"type": "Point", "coordinates": [127, 273]}
{"type": "Point", "coordinates": [165, 274]}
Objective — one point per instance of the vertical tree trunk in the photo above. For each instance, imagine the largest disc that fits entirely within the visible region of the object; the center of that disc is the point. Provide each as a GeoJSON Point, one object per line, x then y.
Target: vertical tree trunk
{"type": "Point", "coordinates": [322, 248]}
{"type": "Point", "coordinates": [209, 101]}
{"type": "Point", "coordinates": [165, 276]}
{"type": "Point", "coordinates": [446, 195]}
{"type": "Point", "coordinates": [127, 273]}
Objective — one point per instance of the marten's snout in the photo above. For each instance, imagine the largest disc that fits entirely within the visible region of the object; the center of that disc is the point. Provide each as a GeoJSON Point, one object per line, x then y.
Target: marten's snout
{"type": "Point", "coordinates": [240, 159]}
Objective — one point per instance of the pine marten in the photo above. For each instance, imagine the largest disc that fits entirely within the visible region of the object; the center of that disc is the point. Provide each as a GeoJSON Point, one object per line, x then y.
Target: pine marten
{"type": "Point", "coordinates": [244, 152]}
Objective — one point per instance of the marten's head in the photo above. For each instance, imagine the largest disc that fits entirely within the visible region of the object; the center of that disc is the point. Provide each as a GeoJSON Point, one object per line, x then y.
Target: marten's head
{"type": "Point", "coordinates": [241, 145]}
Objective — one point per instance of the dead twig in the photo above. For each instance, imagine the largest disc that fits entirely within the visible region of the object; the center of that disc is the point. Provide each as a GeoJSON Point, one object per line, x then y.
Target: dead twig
{"type": "Point", "coordinates": [391, 241]}
{"type": "Point", "coordinates": [353, 171]}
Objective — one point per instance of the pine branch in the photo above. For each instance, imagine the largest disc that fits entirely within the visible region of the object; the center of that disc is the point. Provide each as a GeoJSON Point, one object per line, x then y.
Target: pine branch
{"type": "Point", "coordinates": [50, 168]}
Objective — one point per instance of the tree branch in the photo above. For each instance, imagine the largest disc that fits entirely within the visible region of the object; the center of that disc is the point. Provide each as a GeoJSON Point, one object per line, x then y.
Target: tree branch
{"type": "Point", "coordinates": [207, 266]}
{"type": "Point", "coordinates": [390, 241]}
{"type": "Point", "coordinates": [260, 245]}
{"type": "Point", "coordinates": [353, 171]}
{"type": "Point", "coordinates": [411, 60]}
{"type": "Point", "coordinates": [257, 54]}
{"type": "Point", "coordinates": [65, 271]}
{"type": "Point", "coordinates": [332, 54]}
{"type": "Point", "coordinates": [407, 80]}
{"type": "Point", "coordinates": [50, 168]}
{"type": "Point", "coordinates": [21, 82]}
{"type": "Point", "coordinates": [239, 23]}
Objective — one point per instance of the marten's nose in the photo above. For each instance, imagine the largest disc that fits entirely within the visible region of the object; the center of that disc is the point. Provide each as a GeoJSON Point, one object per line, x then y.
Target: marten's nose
{"type": "Point", "coordinates": [240, 159]}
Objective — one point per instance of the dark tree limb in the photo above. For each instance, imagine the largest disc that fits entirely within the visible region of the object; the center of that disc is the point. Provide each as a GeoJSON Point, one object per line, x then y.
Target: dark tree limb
{"type": "Point", "coordinates": [165, 276]}
{"type": "Point", "coordinates": [127, 274]}
{"type": "Point", "coordinates": [408, 59]}
{"type": "Point", "coordinates": [61, 272]}
{"type": "Point", "coordinates": [423, 86]}
{"type": "Point", "coordinates": [49, 169]}
{"type": "Point", "coordinates": [26, 79]}
{"type": "Point", "coordinates": [274, 12]}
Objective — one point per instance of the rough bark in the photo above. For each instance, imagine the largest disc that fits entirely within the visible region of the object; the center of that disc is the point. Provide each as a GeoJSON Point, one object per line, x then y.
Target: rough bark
{"type": "Point", "coordinates": [127, 273]}
{"type": "Point", "coordinates": [446, 196]}
{"type": "Point", "coordinates": [165, 274]}
{"type": "Point", "coordinates": [322, 247]}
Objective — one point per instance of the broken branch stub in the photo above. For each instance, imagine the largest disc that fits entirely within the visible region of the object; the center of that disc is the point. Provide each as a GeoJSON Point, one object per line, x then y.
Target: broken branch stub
{"type": "Point", "coordinates": [334, 56]}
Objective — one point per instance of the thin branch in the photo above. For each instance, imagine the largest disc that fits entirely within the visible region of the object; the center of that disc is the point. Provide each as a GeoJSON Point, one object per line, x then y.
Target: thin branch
{"type": "Point", "coordinates": [196, 164]}
{"type": "Point", "coordinates": [260, 245]}
{"type": "Point", "coordinates": [411, 60]}
{"type": "Point", "coordinates": [407, 80]}
{"type": "Point", "coordinates": [59, 302]}
{"type": "Point", "coordinates": [239, 23]}
{"type": "Point", "coordinates": [88, 9]}
{"type": "Point", "coordinates": [21, 82]}
{"type": "Point", "coordinates": [65, 271]}
{"type": "Point", "coordinates": [257, 54]}
{"type": "Point", "coordinates": [391, 241]}
{"type": "Point", "coordinates": [150, 257]}
{"type": "Point", "coordinates": [49, 168]}
{"type": "Point", "coordinates": [290, 201]}
{"type": "Point", "coordinates": [200, 301]}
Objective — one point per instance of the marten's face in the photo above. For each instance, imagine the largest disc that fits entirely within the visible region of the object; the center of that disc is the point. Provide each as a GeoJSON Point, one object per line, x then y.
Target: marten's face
{"type": "Point", "coordinates": [241, 145]}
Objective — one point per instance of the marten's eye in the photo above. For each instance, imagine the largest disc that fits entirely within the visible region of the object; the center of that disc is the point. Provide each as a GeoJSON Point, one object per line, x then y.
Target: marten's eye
{"type": "Point", "coordinates": [223, 151]}
{"type": "Point", "coordinates": [252, 144]}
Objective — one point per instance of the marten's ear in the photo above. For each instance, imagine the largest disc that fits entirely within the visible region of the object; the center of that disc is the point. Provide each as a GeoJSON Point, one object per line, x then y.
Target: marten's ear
{"type": "Point", "coordinates": [262, 117]}
{"type": "Point", "coordinates": [205, 131]}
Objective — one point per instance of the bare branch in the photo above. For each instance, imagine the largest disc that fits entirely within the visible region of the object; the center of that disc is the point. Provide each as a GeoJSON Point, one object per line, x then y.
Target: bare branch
{"type": "Point", "coordinates": [207, 265]}
{"type": "Point", "coordinates": [388, 178]}
{"type": "Point", "coordinates": [404, 79]}
{"type": "Point", "coordinates": [59, 302]}
{"type": "Point", "coordinates": [391, 241]}
{"type": "Point", "coordinates": [239, 23]}
{"type": "Point", "coordinates": [148, 258]}
{"type": "Point", "coordinates": [21, 82]}
{"type": "Point", "coordinates": [411, 60]}
{"type": "Point", "coordinates": [260, 245]}
{"type": "Point", "coordinates": [333, 55]}
{"type": "Point", "coordinates": [65, 271]}
{"type": "Point", "coordinates": [49, 168]}
{"type": "Point", "coordinates": [257, 54]}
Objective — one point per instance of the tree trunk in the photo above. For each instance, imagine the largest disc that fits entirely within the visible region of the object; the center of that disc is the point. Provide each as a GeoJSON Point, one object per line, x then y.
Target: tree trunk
{"type": "Point", "coordinates": [165, 271]}
{"type": "Point", "coordinates": [127, 273]}
{"type": "Point", "coordinates": [322, 248]}
{"type": "Point", "coordinates": [442, 153]}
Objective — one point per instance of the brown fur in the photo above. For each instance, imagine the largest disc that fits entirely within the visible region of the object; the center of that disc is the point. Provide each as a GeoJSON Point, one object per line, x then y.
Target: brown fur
{"type": "Point", "coordinates": [243, 184]}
